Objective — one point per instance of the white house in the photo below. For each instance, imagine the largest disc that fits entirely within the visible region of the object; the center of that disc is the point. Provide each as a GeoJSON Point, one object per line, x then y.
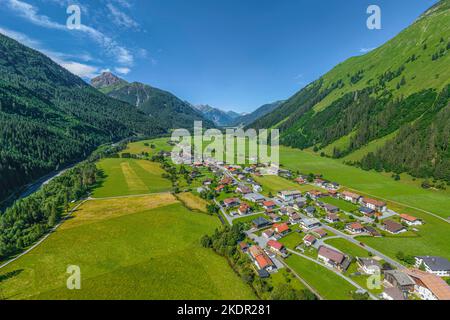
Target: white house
{"type": "Point", "coordinates": [436, 265]}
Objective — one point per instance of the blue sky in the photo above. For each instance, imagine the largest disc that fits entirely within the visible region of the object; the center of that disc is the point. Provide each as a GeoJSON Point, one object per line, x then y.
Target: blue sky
{"type": "Point", "coordinates": [231, 54]}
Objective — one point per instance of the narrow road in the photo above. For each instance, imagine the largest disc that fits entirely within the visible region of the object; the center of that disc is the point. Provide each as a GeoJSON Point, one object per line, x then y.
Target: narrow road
{"type": "Point", "coordinates": [45, 236]}
{"type": "Point", "coordinates": [335, 271]}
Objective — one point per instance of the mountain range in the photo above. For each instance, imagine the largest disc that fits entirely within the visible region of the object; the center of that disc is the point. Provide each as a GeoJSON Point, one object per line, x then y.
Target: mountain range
{"type": "Point", "coordinates": [385, 110]}
{"type": "Point", "coordinates": [162, 106]}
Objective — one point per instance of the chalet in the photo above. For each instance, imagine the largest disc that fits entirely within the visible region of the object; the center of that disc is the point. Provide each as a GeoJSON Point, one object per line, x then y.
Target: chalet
{"type": "Point", "coordinates": [355, 228]}
{"type": "Point", "coordinates": [350, 196]}
{"type": "Point", "coordinates": [231, 202]}
{"type": "Point", "coordinates": [332, 218]}
{"type": "Point", "coordinates": [289, 195]}
{"type": "Point", "coordinates": [243, 189]}
{"type": "Point", "coordinates": [400, 280]}
{"type": "Point", "coordinates": [330, 208]}
{"type": "Point", "coordinates": [435, 265]}
{"type": "Point", "coordinates": [428, 286]}
{"type": "Point", "coordinates": [295, 218]}
{"type": "Point", "coordinates": [243, 246]}
{"type": "Point", "coordinates": [269, 205]}
{"type": "Point", "coordinates": [244, 209]}
{"type": "Point", "coordinates": [393, 227]}
{"type": "Point", "coordinates": [333, 258]}
{"type": "Point", "coordinates": [268, 233]}
{"type": "Point", "coordinates": [369, 266]}
{"type": "Point", "coordinates": [373, 204]}
{"type": "Point", "coordinates": [320, 233]}
{"type": "Point", "coordinates": [274, 217]}
{"type": "Point", "coordinates": [260, 222]}
{"type": "Point", "coordinates": [261, 259]}
{"type": "Point", "coordinates": [282, 228]}
{"type": "Point", "coordinates": [276, 247]}
{"type": "Point", "coordinates": [309, 240]}
{"type": "Point", "coordinates": [309, 224]}
{"type": "Point", "coordinates": [410, 220]}
{"type": "Point", "coordinates": [254, 197]}
{"type": "Point", "coordinates": [310, 211]}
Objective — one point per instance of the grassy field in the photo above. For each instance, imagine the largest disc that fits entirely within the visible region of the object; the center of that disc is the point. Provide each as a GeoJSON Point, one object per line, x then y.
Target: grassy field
{"type": "Point", "coordinates": [275, 184]}
{"type": "Point", "coordinates": [292, 240]}
{"type": "Point", "coordinates": [140, 146]}
{"type": "Point", "coordinates": [347, 247]}
{"type": "Point", "coordinates": [192, 201]}
{"type": "Point", "coordinates": [370, 183]}
{"type": "Point", "coordinates": [129, 177]}
{"type": "Point", "coordinates": [142, 248]}
{"type": "Point", "coordinates": [341, 204]}
{"type": "Point", "coordinates": [329, 285]}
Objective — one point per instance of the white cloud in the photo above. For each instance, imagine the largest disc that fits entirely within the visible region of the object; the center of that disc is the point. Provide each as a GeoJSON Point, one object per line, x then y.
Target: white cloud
{"type": "Point", "coordinates": [111, 47]}
{"type": "Point", "coordinates": [81, 70]}
{"type": "Point", "coordinates": [365, 50]}
{"type": "Point", "coordinates": [120, 18]}
{"type": "Point", "coordinates": [122, 70]}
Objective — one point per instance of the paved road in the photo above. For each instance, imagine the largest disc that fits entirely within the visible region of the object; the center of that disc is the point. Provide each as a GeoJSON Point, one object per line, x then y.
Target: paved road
{"type": "Point", "coordinates": [335, 271]}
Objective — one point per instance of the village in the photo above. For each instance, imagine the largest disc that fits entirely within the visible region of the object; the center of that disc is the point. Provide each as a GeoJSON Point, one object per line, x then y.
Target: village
{"type": "Point", "coordinates": [301, 221]}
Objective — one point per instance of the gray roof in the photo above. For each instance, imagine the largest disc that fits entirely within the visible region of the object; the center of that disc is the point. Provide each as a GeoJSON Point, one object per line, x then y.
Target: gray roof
{"type": "Point", "coordinates": [402, 278]}
{"type": "Point", "coordinates": [395, 293]}
{"type": "Point", "coordinates": [436, 263]}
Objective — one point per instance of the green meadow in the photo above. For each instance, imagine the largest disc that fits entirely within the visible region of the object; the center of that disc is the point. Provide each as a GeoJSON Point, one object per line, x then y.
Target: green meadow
{"type": "Point", "coordinates": [129, 177]}
{"type": "Point", "coordinates": [141, 248]}
{"type": "Point", "coordinates": [347, 247]}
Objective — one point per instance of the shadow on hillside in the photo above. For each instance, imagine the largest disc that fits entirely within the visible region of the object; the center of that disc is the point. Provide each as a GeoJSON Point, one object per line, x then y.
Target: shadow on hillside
{"type": "Point", "coordinates": [10, 275]}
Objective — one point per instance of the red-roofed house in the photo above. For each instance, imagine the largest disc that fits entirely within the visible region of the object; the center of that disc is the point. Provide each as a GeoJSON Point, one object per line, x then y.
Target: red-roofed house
{"type": "Point", "coordinates": [231, 202]}
{"type": "Point", "coordinates": [320, 233]}
{"type": "Point", "coordinates": [269, 205]}
{"type": "Point", "coordinates": [374, 204]}
{"type": "Point", "coordinates": [282, 228]}
{"type": "Point", "coordinates": [244, 209]}
{"type": "Point", "coordinates": [355, 228]}
{"type": "Point", "coordinates": [275, 246]}
{"type": "Point", "coordinates": [309, 240]}
{"type": "Point", "coordinates": [410, 220]}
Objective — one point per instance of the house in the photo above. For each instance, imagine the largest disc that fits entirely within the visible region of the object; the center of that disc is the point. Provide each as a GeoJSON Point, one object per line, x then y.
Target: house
{"type": "Point", "coordinates": [243, 246]}
{"type": "Point", "coordinates": [410, 220]}
{"type": "Point", "coordinates": [428, 286]}
{"type": "Point", "coordinates": [333, 258]}
{"type": "Point", "coordinates": [355, 228]}
{"type": "Point", "coordinates": [287, 211]}
{"type": "Point", "coordinates": [436, 265]}
{"type": "Point", "coordinates": [370, 213]}
{"type": "Point", "coordinates": [263, 274]}
{"type": "Point", "coordinates": [274, 217]}
{"type": "Point", "coordinates": [244, 209]}
{"type": "Point", "coordinates": [393, 227]}
{"type": "Point", "coordinates": [289, 195]}
{"type": "Point", "coordinates": [310, 211]}
{"type": "Point", "coordinates": [393, 293]}
{"type": "Point", "coordinates": [226, 181]}
{"type": "Point", "coordinates": [350, 196]}
{"type": "Point", "coordinates": [315, 194]}
{"type": "Point", "coordinates": [333, 193]}
{"type": "Point", "coordinates": [269, 205]}
{"type": "Point", "coordinates": [261, 259]}
{"type": "Point", "coordinates": [220, 188]}
{"type": "Point", "coordinates": [243, 189]}
{"type": "Point", "coordinates": [309, 240]}
{"type": "Point", "coordinates": [369, 266]}
{"type": "Point", "coordinates": [332, 218]}
{"type": "Point", "coordinates": [282, 228]}
{"type": "Point", "coordinates": [298, 205]}
{"type": "Point", "coordinates": [400, 280]}
{"type": "Point", "coordinates": [231, 202]}
{"type": "Point", "coordinates": [373, 204]}
{"type": "Point", "coordinates": [256, 188]}
{"type": "Point", "coordinates": [330, 208]}
{"type": "Point", "coordinates": [319, 182]}
{"type": "Point", "coordinates": [254, 197]}
{"type": "Point", "coordinates": [319, 232]}
{"type": "Point", "coordinates": [309, 224]}
{"type": "Point", "coordinates": [300, 180]}
{"type": "Point", "coordinates": [260, 222]}
{"type": "Point", "coordinates": [207, 182]}
{"type": "Point", "coordinates": [295, 218]}
{"type": "Point", "coordinates": [276, 246]}
{"type": "Point", "coordinates": [268, 233]}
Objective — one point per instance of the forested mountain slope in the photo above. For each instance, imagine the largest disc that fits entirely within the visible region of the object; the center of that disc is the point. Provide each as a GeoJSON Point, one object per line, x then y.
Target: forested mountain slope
{"type": "Point", "coordinates": [399, 89]}
{"type": "Point", "coordinates": [258, 113]}
{"type": "Point", "coordinates": [219, 117]}
{"type": "Point", "coordinates": [50, 117]}
{"type": "Point", "coordinates": [163, 106]}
